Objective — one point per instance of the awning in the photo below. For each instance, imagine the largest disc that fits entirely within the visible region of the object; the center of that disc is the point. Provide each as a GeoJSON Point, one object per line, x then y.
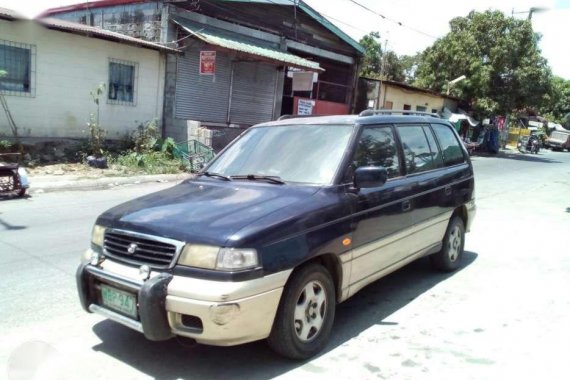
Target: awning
{"type": "Point", "coordinates": [455, 117]}
{"type": "Point", "coordinates": [235, 42]}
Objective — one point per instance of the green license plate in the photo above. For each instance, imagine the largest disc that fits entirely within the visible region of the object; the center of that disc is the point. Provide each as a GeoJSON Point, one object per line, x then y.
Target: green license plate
{"type": "Point", "coordinates": [118, 300]}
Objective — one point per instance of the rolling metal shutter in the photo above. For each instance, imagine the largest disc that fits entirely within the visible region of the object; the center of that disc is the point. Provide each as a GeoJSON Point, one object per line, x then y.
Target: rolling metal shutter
{"type": "Point", "coordinates": [253, 93]}
{"type": "Point", "coordinates": [202, 97]}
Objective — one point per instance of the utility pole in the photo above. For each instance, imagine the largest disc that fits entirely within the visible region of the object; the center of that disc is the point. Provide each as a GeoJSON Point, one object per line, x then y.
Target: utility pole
{"type": "Point", "coordinates": [382, 64]}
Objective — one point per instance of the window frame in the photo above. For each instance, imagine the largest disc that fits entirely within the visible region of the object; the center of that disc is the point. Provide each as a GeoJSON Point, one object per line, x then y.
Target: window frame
{"type": "Point", "coordinates": [32, 70]}
{"type": "Point", "coordinates": [423, 127]}
{"type": "Point", "coordinates": [456, 136]}
{"type": "Point", "coordinates": [344, 178]}
{"type": "Point", "coordinates": [135, 66]}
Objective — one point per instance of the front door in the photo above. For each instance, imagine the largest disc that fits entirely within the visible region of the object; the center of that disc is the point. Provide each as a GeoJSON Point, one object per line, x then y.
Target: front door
{"type": "Point", "coordinates": [380, 214]}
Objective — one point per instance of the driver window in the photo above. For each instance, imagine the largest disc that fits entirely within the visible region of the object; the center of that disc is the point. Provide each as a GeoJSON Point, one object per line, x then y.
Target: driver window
{"type": "Point", "coordinates": [377, 147]}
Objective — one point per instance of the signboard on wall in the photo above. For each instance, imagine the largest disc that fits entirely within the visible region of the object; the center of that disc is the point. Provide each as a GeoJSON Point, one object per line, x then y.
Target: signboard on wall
{"type": "Point", "coordinates": [305, 107]}
{"type": "Point", "coordinates": [207, 62]}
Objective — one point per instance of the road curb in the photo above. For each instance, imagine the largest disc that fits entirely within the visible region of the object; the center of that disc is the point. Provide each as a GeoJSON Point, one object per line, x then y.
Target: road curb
{"type": "Point", "coordinates": [41, 184]}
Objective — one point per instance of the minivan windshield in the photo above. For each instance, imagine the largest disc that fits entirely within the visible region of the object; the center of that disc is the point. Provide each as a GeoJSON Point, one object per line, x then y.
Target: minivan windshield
{"type": "Point", "coordinates": [292, 153]}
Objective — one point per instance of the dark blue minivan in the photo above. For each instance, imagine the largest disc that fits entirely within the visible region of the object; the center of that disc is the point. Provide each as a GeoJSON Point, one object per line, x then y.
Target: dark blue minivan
{"type": "Point", "coordinates": [293, 217]}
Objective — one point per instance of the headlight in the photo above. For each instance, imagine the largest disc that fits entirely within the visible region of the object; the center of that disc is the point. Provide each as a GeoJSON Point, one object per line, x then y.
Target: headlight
{"type": "Point", "coordinates": [224, 259]}
{"type": "Point", "coordinates": [236, 258]}
{"type": "Point", "coordinates": [98, 235]}
{"type": "Point", "coordinates": [200, 256]}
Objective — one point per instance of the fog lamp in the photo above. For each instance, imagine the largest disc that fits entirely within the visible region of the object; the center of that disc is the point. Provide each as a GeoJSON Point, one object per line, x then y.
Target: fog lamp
{"type": "Point", "coordinates": [96, 258]}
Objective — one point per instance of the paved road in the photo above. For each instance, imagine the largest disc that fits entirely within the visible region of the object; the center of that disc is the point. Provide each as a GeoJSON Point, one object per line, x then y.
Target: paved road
{"type": "Point", "coordinates": [503, 315]}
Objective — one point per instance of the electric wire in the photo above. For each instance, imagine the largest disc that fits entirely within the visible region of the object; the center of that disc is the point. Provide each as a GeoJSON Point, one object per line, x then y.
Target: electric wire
{"type": "Point", "coordinates": [390, 19]}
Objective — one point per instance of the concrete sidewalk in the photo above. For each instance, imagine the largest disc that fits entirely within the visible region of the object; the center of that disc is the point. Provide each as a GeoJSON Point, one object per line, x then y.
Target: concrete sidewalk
{"type": "Point", "coordinates": [49, 183]}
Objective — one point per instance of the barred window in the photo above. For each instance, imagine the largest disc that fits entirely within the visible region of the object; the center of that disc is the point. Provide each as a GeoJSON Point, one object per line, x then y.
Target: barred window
{"type": "Point", "coordinates": [16, 64]}
{"type": "Point", "coordinates": [122, 78]}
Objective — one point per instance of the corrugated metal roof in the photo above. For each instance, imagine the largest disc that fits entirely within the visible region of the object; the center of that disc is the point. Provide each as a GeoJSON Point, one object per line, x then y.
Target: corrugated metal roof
{"type": "Point", "coordinates": [247, 46]}
{"type": "Point", "coordinates": [9, 14]}
{"type": "Point", "coordinates": [90, 31]}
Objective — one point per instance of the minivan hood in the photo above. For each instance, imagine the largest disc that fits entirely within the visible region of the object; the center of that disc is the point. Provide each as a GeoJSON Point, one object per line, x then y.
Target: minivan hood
{"type": "Point", "coordinates": [205, 211]}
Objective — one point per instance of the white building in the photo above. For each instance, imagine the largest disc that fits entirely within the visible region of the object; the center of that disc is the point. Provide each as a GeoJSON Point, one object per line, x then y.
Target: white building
{"type": "Point", "coordinates": [53, 66]}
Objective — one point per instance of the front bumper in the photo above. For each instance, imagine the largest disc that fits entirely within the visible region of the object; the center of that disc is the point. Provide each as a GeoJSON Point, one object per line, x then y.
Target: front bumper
{"type": "Point", "coordinates": [211, 312]}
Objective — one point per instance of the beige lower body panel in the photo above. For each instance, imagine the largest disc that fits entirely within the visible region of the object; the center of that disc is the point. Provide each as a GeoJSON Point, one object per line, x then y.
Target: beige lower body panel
{"type": "Point", "coordinates": [231, 312]}
{"type": "Point", "coordinates": [377, 259]}
{"type": "Point", "coordinates": [246, 319]}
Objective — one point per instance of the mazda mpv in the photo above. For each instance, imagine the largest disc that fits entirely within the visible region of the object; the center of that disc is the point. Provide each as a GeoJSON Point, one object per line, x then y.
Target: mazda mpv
{"type": "Point", "coordinates": [293, 217]}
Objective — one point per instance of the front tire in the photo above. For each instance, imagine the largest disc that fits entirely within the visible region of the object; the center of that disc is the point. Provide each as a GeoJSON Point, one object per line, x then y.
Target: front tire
{"type": "Point", "coordinates": [449, 258]}
{"type": "Point", "coordinates": [305, 316]}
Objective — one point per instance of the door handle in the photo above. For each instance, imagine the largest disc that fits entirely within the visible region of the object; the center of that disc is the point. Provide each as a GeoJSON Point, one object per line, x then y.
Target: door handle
{"type": "Point", "coordinates": [406, 206]}
{"type": "Point", "coordinates": [448, 190]}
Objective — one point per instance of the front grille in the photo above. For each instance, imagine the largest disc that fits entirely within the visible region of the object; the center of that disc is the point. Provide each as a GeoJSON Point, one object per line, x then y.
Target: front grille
{"type": "Point", "coordinates": [143, 250]}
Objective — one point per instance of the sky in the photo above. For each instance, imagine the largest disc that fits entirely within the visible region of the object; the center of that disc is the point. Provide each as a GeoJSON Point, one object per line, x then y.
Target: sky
{"type": "Point", "coordinates": [421, 21]}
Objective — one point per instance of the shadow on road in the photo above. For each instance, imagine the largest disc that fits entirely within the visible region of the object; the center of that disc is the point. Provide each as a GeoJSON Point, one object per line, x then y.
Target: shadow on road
{"type": "Point", "coordinates": [509, 155]}
{"type": "Point", "coordinates": [13, 196]}
{"type": "Point", "coordinates": [182, 359]}
{"type": "Point", "coordinates": [11, 227]}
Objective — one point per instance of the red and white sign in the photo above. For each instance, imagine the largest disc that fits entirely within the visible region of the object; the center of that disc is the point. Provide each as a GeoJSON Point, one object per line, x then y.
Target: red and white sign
{"type": "Point", "coordinates": [207, 62]}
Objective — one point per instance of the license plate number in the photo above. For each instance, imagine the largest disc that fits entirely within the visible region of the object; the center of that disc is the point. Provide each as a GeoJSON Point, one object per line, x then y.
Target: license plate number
{"type": "Point", "coordinates": [118, 300]}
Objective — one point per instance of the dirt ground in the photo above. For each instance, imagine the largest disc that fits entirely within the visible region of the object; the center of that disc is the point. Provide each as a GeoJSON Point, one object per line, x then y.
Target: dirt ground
{"type": "Point", "coordinates": [80, 170]}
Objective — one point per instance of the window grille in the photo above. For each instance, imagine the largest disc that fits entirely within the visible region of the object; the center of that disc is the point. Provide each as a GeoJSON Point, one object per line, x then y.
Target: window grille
{"type": "Point", "coordinates": [17, 60]}
{"type": "Point", "coordinates": [122, 82]}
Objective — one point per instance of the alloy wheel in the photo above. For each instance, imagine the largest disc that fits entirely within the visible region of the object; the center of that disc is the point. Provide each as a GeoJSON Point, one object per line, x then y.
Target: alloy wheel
{"type": "Point", "coordinates": [310, 311]}
{"type": "Point", "coordinates": [454, 243]}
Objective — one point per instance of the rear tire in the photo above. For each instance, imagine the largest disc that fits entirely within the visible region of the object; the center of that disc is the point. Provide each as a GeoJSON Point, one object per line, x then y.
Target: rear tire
{"type": "Point", "coordinates": [305, 316]}
{"type": "Point", "coordinates": [449, 258]}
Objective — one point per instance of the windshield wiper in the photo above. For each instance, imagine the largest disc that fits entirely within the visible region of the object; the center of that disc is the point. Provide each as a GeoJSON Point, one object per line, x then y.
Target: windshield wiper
{"type": "Point", "coordinates": [254, 177]}
{"type": "Point", "coordinates": [216, 175]}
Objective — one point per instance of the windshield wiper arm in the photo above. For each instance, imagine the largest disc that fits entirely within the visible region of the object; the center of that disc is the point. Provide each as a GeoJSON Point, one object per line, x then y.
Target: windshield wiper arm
{"type": "Point", "coordinates": [254, 177]}
{"type": "Point", "coordinates": [216, 175]}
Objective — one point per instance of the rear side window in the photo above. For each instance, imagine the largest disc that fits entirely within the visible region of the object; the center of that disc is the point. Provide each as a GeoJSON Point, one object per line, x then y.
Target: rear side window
{"type": "Point", "coordinates": [417, 153]}
{"type": "Point", "coordinates": [450, 146]}
{"type": "Point", "coordinates": [436, 154]}
{"type": "Point", "coordinates": [377, 147]}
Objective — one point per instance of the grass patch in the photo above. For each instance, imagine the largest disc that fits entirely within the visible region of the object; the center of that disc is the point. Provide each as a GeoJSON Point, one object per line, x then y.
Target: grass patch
{"type": "Point", "coordinates": [154, 162]}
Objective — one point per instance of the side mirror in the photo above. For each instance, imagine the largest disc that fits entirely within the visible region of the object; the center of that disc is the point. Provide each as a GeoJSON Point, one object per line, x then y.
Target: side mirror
{"type": "Point", "coordinates": [370, 176]}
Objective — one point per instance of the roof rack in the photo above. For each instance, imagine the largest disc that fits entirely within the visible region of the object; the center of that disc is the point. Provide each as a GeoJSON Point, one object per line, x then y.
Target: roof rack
{"type": "Point", "coordinates": [402, 112]}
{"type": "Point", "coordinates": [285, 117]}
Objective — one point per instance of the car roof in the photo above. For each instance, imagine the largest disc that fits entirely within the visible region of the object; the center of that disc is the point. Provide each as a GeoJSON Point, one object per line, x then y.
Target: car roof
{"type": "Point", "coordinates": [354, 119]}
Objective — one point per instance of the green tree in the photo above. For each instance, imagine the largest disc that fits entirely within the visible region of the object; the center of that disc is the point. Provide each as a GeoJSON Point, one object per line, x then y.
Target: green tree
{"type": "Point", "coordinates": [379, 64]}
{"type": "Point", "coordinates": [500, 57]}
{"type": "Point", "coordinates": [371, 62]}
{"type": "Point", "coordinates": [558, 106]}
{"type": "Point", "coordinates": [410, 65]}
{"type": "Point", "coordinates": [393, 67]}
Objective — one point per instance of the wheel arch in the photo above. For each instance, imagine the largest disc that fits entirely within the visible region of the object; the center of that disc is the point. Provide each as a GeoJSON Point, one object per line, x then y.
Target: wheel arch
{"type": "Point", "coordinates": [462, 213]}
{"type": "Point", "coordinates": [332, 264]}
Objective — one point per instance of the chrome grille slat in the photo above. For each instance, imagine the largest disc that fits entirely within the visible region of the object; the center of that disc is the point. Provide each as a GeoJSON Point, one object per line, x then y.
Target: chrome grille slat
{"type": "Point", "coordinates": [125, 246]}
{"type": "Point", "coordinates": [153, 251]}
{"type": "Point", "coordinates": [129, 240]}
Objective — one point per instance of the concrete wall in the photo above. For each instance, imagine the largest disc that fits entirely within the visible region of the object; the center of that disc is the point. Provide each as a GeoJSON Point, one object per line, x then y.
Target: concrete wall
{"type": "Point", "coordinates": [400, 97]}
{"type": "Point", "coordinates": [68, 67]}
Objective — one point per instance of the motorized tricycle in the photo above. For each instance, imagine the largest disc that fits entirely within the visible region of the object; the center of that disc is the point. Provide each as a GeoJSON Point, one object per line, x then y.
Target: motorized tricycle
{"type": "Point", "coordinates": [13, 177]}
{"type": "Point", "coordinates": [528, 144]}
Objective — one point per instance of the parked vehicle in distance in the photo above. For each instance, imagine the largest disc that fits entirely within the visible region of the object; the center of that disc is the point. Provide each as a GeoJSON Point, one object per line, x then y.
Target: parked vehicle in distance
{"type": "Point", "coordinates": [290, 219]}
{"type": "Point", "coordinates": [559, 140]}
{"type": "Point", "coordinates": [529, 144]}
